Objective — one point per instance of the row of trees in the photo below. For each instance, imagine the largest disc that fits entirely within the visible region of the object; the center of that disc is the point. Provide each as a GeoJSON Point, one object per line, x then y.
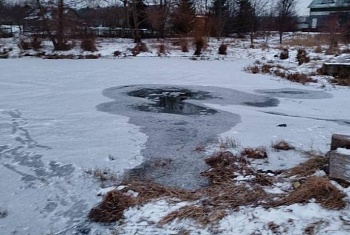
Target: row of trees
{"type": "Point", "coordinates": [183, 17]}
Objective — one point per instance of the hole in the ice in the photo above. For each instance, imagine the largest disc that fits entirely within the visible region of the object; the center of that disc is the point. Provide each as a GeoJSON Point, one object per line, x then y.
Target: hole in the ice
{"type": "Point", "coordinates": [172, 100]}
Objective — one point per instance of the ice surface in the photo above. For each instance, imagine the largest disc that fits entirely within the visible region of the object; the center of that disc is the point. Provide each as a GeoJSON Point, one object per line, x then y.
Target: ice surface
{"type": "Point", "coordinates": [51, 131]}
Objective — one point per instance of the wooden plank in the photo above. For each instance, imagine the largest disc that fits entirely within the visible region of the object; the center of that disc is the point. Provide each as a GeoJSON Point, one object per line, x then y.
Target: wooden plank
{"type": "Point", "coordinates": [339, 166]}
{"type": "Point", "coordinates": [340, 141]}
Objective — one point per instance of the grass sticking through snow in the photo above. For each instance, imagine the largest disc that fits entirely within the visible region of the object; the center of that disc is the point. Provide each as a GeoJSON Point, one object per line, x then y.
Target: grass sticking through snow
{"type": "Point", "coordinates": [282, 145]}
{"type": "Point", "coordinates": [309, 167]}
{"type": "Point", "coordinates": [209, 204]}
{"type": "Point", "coordinates": [319, 188]}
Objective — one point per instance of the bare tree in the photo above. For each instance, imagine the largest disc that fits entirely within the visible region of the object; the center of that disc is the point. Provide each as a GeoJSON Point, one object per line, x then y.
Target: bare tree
{"type": "Point", "coordinates": [136, 11]}
{"type": "Point", "coordinates": [52, 19]}
{"type": "Point", "coordinates": [285, 16]}
{"type": "Point", "coordinates": [219, 16]}
{"type": "Point", "coordinates": [183, 16]}
{"type": "Point", "coordinates": [157, 16]}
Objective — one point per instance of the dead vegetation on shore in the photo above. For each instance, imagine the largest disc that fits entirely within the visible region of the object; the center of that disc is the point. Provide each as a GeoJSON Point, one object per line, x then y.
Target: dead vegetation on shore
{"type": "Point", "coordinates": [225, 193]}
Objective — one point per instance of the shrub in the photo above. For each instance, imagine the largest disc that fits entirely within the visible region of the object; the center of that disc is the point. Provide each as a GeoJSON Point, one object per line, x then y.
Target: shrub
{"type": "Point", "coordinates": [117, 53]}
{"type": "Point", "coordinates": [279, 73]}
{"type": "Point", "coordinates": [36, 43]}
{"type": "Point", "coordinates": [282, 145]}
{"type": "Point", "coordinates": [139, 47]}
{"type": "Point", "coordinates": [333, 49]}
{"type": "Point", "coordinates": [223, 49]}
{"type": "Point", "coordinates": [257, 153]}
{"type": "Point", "coordinates": [4, 54]}
{"type": "Point", "coordinates": [161, 49]}
{"type": "Point", "coordinates": [266, 68]}
{"type": "Point", "coordinates": [302, 57]}
{"type": "Point", "coordinates": [88, 44]}
{"type": "Point", "coordinates": [252, 69]}
{"type": "Point", "coordinates": [318, 49]}
{"type": "Point", "coordinates": [284, 54]}
{"type": "Point", "coordinates": [64, 46]}
{"type": "Point", "coordinates": [24, 45]}
{"type": "Point", "coordinates": [184, 45]}
{"type": "Point", "coordinates": [90, 57]}
{"type": "Point", "coordinates": [199, 44]}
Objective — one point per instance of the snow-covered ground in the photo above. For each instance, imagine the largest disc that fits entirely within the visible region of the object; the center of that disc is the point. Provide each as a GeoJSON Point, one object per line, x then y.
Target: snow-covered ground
{"type": "Point", "coordinates": [51, 133]}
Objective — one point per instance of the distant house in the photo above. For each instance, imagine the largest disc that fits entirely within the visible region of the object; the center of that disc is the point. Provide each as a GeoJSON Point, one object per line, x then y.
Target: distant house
{"type": "Point", "coordinates": [322, 12]}
{"type": "Point", "coordinates": [303, 23]}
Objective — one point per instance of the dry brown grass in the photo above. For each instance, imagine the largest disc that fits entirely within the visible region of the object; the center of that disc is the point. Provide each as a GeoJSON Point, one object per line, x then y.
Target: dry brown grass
{"type": "Point", "coordinates": [308, 168]}
{"type": "Point", "coordinates": [148, 191]}
{"type": "Point", "coordinates": [282, 145]}
{"type": "Point", "coordinates": [273, 227]}
{"type": "Point", "coordinates": [183, 232]}
{"type": "Point", "coordinates": [308, 40]}
{"type": "Point", "coordinates": [232, 196]}
{"type": "Point", "coordinates": [224, 167]}
{"type": "Point", "coordinates": [280, 71]}
{"type": "Point", "coordinates": [300, 78]}
{"type": "Point", "coordinates": [200, 214]}
{"type": "Point", "coordinates": [312, 228]}
{"type": "Point", "coordinates": [266, 68]}
{"type": "Point", "coordinates": [263, 179]}
{"type": "Point", "coordinates": [209, 204]}
{"type": "Point", "coordinates": [320, 189]}
{"type": "Point", "coordinates": [252, 69]}
{"type": "Point", "coordinates": [115, 202]}
{"type": "Point", "coordinates": [112, 207]}
{"type": "Point", "coordinates": [255, 153]}
{"type": "Point", "coordinates": [318, 49]}
{"type": "Point", "coordinates": [340, 81]}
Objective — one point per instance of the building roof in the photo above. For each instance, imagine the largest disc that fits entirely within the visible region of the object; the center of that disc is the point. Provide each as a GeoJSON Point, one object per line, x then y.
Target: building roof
{"type": "Point", "coordinates": [329, 3]}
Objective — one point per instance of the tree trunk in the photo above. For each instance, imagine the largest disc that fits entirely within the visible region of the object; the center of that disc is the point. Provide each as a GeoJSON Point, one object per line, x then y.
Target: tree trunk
{"type": "Point", "coordinates": [126, 21]}
{"type": "Point", "coordinates": [60, 27]}
{"type": "Point", "coordinates": [137, 37]}
{"type": "Point", "coordinates": [281, 36]}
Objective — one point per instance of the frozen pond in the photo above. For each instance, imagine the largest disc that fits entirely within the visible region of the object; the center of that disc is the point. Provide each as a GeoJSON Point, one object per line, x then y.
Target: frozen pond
{"type": "Point", "coordinates": [176, 121]}
{"type": "Point", "coordinates": [51, 130]}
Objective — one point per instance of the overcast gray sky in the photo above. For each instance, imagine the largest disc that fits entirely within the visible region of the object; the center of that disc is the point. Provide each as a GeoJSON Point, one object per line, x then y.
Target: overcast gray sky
{"type": "Point", "coordinates": [302, 7]}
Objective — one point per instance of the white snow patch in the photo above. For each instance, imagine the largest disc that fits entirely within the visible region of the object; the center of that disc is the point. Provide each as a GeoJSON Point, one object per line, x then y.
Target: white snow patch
{"type": "Point", "coordinates": [343, 151]}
